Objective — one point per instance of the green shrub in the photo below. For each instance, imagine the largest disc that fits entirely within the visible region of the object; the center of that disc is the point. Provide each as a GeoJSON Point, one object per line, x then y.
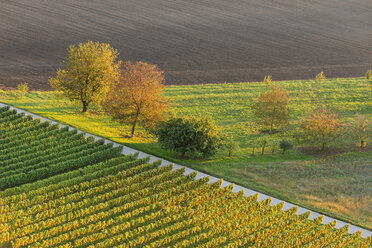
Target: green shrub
{"type": "Point", "coordinates": [195, 136]}
{"type": "Point", "coordinates": [285, 145]}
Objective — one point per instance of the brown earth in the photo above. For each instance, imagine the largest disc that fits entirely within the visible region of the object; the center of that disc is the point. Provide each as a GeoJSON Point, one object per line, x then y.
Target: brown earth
{"type": "Point", "coordinates": [194, 41]}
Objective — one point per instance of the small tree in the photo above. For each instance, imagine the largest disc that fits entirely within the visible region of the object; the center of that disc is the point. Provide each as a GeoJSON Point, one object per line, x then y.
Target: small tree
{"type": "Point", "coordinates": [321, 126]}
{"type": "Point", "coordinates": [285, 145]}
{"type": "Point", "coordinates": [254, 145]}
{"type": "Point", "coordinates": [192, 135]}
{"type": "Point", "coordinates": [273, 142]}
{"type": "Point", "coordinates": [268, 79]}
{"type": "Point", "coordinates": [88, 72]}
{"type": "Point", "coordinates": [320, 77]}
{"type": "Point", "coordinates": [360, 129]}
{"type": "Point", "coordinates": [138, 97]}
{"type": "Point", "coordinates": [369, 74]}
{"type": "Point", "coordinates": [272, 109]}
{"type": "Point", "coordinates": [22, 89]}
{"type": "Point", "coordinates": [263, 142]}
{"type": "Point", "coordinates": [232, 146]}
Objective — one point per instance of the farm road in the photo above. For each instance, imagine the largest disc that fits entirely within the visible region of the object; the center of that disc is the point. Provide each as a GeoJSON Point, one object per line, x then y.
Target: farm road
{"type": "Point", "coordinates": [237, 188]}
{"type": "Point", "coordinates": [194, 41]}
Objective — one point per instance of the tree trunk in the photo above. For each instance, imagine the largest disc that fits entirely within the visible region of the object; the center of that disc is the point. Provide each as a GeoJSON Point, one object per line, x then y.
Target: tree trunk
{"type": "Point", "coordinates": [323, 142]}
{"type": "Point", "coordinates": [263, 150]}
{"type": "Point", "coordinates": [183, 154]}
{"type": "Point", "coordinates": [253, 151]}
{"type": "Point", "coordinates": [133, 128]}
{"type": "Point", "coordinates": [271, 127]}
{"type": "Point", "coordinates": [85, 107]}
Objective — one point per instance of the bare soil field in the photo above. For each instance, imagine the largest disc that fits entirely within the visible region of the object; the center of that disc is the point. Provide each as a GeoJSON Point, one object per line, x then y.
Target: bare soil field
{"type": "Point", "coordinates": [194, 41]}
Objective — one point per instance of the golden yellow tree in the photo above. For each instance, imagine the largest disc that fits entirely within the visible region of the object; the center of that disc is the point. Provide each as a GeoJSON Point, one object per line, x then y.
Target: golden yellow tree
{"type": "Point", "coordinates": [321, 125]}
{"type": "Point", "coordinates": [22, 89]}
{"type": "Point", "coordinates": [320, 76]}
{"type": "Point", "coordinates": [138, 97]}
{"type": "Point", "coordinates": [272, 108]}
{"type": "Point", "coordinates": [88, 72]}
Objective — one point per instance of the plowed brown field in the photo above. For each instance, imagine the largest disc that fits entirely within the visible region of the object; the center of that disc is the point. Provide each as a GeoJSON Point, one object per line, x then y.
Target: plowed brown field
{"type": "Point", "coordinates": [194, 41]}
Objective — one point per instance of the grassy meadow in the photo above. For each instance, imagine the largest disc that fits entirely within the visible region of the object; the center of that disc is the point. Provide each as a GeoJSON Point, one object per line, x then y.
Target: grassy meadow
{"type": "Point", "coordinates": [338, 184]}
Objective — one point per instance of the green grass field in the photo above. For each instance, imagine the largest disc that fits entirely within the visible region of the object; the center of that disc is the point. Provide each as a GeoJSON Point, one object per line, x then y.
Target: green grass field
{"type": "Point", "coordinates": [338, 185]}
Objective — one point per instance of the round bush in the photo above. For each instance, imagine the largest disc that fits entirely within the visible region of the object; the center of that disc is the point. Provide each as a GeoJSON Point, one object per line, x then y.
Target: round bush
{"type": "Point", "coordinates": [195, 136]}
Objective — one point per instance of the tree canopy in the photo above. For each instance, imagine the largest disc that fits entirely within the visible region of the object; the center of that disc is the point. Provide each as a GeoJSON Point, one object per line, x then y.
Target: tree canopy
{"type": "Point", "coordinates": [360, 129]}
{"type": "Point", "coordinates": [271, 108]}
{"type": "Point", "coordinates": [88, 72]}
{"type": "Point", "coordinates": [138, 97]}
{"type": "Point", "coordinates": [321, 125]}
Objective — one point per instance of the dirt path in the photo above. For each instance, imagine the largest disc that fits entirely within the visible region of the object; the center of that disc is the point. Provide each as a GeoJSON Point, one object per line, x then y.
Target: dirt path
{"type": "Point", "coordinates": [199, 41]}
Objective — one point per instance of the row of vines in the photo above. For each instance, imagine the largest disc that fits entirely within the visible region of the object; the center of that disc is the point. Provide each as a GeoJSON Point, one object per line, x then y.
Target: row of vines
{"type": "Point", "coordinates": [31, 150]}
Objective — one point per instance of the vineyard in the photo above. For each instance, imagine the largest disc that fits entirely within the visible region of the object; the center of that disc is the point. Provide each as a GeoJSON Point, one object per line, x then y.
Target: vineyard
{"type": "Point", "coordinates": [60, 189]}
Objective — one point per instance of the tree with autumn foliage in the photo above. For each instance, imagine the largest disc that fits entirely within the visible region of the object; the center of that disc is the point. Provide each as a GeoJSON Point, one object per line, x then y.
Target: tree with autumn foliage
{"type": "Point", "coordinates": [138, 97]}
{"type": "Point", "coordinates": [88, 72]}
{"type": "Point", "coordinates": [360, 129]}
{"type": "Point", "coordinates": [272, 108]}
{"type": "Point", "coordinates": [321, 126]}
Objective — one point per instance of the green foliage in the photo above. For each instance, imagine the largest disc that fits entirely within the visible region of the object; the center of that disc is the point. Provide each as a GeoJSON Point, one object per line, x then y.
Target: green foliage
{"type": "Point", "coordinates": [320, 77]}
{"type": "Point", "coordinates": [368, 74]}
{"type": "Point", "coordinates": [88, 72]}
{"type": "Point", "coordinates": [285, 145]}
{"type": "Point", "coordinates": [22, 89]}
{"type": "Point", "coordinates": [272, 109]}
{"type": "Point", "coordinates": [190, 135]}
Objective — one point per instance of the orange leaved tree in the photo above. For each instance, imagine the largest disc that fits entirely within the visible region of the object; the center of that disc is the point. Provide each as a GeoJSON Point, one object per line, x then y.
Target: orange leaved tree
{"type": "Point", "coordinates": [320, 126]}
{"type": "Point", "coordinates": [138, 97]}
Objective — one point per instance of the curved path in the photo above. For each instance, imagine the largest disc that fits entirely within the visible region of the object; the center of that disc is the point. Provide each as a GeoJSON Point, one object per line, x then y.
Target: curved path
{"type": "Point", "coordinates": [247, 192]}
